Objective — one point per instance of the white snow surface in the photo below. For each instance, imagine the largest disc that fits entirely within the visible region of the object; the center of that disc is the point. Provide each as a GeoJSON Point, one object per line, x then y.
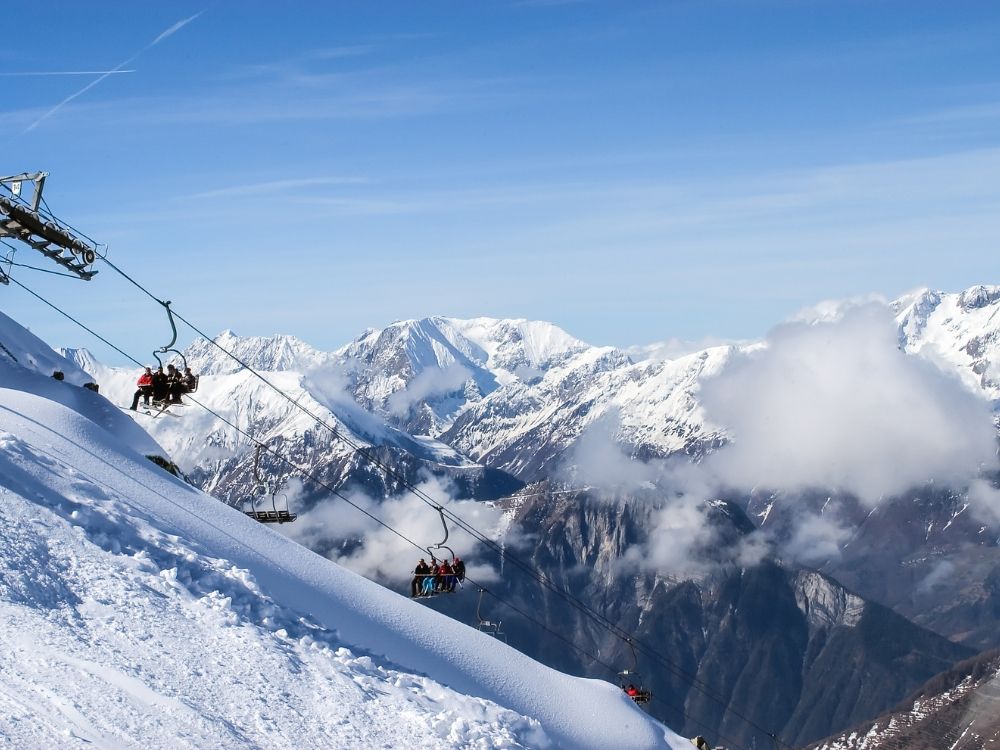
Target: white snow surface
{"type": "Point", "coordinates": [140, 612]}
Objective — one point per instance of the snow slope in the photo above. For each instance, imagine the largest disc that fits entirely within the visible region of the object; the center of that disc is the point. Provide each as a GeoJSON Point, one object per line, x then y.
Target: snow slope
{"type": "Point", "coordinates": [138, 611]}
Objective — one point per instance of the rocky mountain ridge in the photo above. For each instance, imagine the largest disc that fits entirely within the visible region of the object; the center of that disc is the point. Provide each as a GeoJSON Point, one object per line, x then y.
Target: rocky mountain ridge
{"type": "Point", "coordinates": [958, 709]}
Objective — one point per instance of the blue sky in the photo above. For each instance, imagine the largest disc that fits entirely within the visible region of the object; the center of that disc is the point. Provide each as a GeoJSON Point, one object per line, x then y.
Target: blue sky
{"type": "Point", "coordinates": [632, 171]}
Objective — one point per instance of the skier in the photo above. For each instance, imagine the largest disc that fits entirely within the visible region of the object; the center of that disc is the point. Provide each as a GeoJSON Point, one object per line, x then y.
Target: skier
{"type": "Point", "coordinates": [189, 381]}
{"type": "Point", "coordinates": [144, 388]}
{"type": "Point", "coordinates": [428, 587]}
{"type": "Point", "coordinates": [447, 576]}
{"type": "Point", "coordinates": [459, 567]}
{"type": "Point", "coordinates": [419, 574]}
{"type": "Point", "coordinates": [631, 691]}
{"type": "Point", "coordinates": [175, 385]}
{"type": "Point", "coordinates": [161, 389]}
{"type": "Point", "coordinates": [701, 743]}
{"type": "Point", "coordinates": [439, 576]}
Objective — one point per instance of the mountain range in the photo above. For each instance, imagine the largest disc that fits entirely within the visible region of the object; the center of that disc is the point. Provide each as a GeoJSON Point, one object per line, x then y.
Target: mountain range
{"type": "Point", "coordinates": [575, 448]}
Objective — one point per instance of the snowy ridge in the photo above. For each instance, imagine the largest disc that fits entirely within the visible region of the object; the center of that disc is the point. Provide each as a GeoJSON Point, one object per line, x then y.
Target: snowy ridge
{"type": "Point", "coordinates": [199, 441]}
{"type": "Point", "coordinates": [264, 353]}
{"type": "Point", "coordinates": [142, 613]}
{"type": "Point", "coordinates": [959, 710]}
{"type": "Point", "coordinates": [960, 332]}
{"type": "Point", "coordinates": [20, 347]}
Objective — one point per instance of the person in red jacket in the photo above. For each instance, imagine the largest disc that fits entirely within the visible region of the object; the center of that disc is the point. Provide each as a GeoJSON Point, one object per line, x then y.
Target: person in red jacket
{"type": "Point", "coordinates": [145, 388]}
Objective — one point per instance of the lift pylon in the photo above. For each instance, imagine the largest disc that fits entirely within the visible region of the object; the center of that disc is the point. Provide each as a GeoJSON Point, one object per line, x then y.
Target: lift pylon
{"type": "Point", "coordinates": [30, 223]}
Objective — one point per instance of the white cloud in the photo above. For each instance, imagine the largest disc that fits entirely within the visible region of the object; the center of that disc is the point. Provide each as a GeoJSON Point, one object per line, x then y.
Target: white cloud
{"type": "Point", "coordinates": [599, 461]}
{"type": "Point", "coordinates": [828, 401]}
{"type": "Point", "coordinates": [836, 404]}
{"type": "Point", "coordinates": [984, 501]}
{"type": "Point", "coordinates": [431, 382]}
{"type": "Point", "coordinates": [679, 539]}
{"type": "Point", "coordinates": [816, 538]}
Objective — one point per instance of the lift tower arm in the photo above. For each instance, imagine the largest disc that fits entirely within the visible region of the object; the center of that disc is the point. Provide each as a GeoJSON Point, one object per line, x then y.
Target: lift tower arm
{"type": "Point", "coordinates": [30, 223]}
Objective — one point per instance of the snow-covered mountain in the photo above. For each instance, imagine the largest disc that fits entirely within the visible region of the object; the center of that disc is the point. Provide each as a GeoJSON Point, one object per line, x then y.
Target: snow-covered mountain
{"type": "Point", "coordinates": [139, 612]}
{"type": "Point", "coordinates": [219, 459]}
{"type": "Point", "coordinates": [422, 374]}
{"type": "Point", "coordinates": [959, 331]}
{"type": "Point", "coordinates": [518, 395]}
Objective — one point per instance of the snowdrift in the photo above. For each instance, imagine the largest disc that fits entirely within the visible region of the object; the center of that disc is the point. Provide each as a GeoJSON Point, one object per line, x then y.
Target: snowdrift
{"type": "Point", "coordinates": [139, 611]}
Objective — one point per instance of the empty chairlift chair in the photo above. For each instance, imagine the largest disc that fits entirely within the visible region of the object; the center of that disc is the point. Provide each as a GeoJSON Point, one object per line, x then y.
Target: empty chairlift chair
{"type": "Point", "coordinates": [489, 627]}
{"type": "Point", "coordinates": [256, 506]}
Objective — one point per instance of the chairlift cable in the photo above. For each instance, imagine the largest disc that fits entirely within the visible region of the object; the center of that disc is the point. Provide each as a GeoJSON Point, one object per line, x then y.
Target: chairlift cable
{"type": "Point", "coordinates": [66, 315]}
{"type": "Point", "coordinates": [43, 270]}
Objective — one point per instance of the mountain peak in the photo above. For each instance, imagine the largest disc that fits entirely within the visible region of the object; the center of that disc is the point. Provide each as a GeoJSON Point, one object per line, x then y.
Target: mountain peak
{"type": "Point", "coordinates": [266, 353]}
{"type": "Point", "coordinates": [979, 296]}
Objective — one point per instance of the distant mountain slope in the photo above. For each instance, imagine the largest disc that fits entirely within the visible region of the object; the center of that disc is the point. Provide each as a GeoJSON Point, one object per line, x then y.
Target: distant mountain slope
{"type": "Point", "coordinates": [958, 710]}
{"type": "Point", "coordinates": [220, 460]}
{"type": "Point", "coordinates": [792, 649]}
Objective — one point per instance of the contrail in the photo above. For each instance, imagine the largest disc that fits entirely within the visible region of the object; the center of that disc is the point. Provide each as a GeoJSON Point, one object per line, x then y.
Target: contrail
{"type": "Point", "coordinates": [117, 69]}
{"type": "Point", "coordinates": [63, 73]}
{"type": "Point", "coordinates": [174, 29]}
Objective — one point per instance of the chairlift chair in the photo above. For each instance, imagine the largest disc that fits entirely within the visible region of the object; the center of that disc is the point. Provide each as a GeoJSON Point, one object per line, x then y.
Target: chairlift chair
{"type": "Point", "coordinates": [442, 545]}
{"type": "Point", "coordinates": [261, 490]}
{"type": "Point", "coordinates": [488, 626]}
{"type": "Point", "coordinates": [630, 678]}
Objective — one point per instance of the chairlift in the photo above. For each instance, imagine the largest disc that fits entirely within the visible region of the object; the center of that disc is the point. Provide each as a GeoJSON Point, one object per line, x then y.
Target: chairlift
{"type": "Point", "coordinates": [630, 680]}
{"type": "Point", "coordinates": [252, 505]}
{"type": "Point", "coordinates": [488, 626]}
{"type": "Point", "coordinates": [170, 348]}
{"type": "Point", "coordinates": [442, 545]}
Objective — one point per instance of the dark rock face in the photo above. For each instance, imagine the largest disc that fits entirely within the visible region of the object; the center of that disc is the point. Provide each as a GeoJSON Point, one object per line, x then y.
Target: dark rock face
{"type": "Point", "coordinates": [926, 555]}
{"type": "Point", "coordinates": [958, 709]}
